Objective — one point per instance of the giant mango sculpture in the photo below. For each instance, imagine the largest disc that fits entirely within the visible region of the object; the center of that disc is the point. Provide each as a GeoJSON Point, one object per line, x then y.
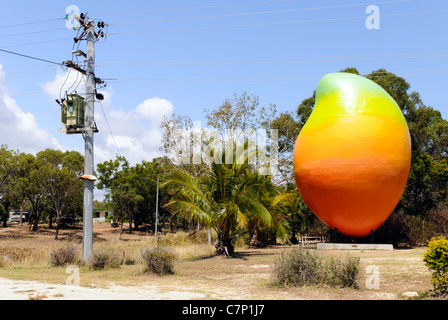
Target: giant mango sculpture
{"type": "Point", "coordinates": [353, 156]}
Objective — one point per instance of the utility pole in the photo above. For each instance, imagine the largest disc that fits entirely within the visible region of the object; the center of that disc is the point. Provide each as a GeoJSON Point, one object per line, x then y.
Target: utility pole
{"type": "Point", "coordinates": [87, 238]}
{"type": "Point", "coordinates": [157, 212]}
{"type": "Point", "coordinates": [90, 35]}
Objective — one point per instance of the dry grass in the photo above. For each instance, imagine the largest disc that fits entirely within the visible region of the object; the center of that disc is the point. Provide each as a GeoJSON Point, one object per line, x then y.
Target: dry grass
{"type": "Point", "coordinates": [247, 275]}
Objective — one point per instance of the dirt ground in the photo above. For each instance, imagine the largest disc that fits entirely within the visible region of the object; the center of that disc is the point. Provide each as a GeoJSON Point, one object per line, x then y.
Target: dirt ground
{"type": "Point", "coordinates": [400, 274]}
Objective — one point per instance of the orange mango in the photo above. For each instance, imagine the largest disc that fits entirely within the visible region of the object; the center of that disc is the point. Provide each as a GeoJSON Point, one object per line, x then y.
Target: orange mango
{"type": "Point", "coordinates": [352, 158]}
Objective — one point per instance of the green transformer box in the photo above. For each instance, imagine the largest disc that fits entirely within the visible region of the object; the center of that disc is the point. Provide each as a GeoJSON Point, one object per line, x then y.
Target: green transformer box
{"type": "Point", "coordinates": [73, 112]}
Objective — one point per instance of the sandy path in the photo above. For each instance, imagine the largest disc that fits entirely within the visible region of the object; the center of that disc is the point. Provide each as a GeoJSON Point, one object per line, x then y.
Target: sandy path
{"type": "Point", "coordinates": [24, 290]}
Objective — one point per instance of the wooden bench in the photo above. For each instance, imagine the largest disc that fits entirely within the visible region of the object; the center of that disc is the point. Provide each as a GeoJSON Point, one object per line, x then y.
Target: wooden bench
{"type": "Point", "coordinates": [309, 242]}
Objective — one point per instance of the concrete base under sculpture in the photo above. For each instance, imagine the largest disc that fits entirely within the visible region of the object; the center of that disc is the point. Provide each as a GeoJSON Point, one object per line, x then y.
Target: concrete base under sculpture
{"type": "Point", "coordinates": [354, 246]}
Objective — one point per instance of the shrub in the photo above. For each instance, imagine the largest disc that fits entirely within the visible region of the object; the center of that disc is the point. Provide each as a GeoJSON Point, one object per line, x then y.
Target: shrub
{"type": "Point", "coordinates": [342, 273]}
{"type": "Point", "coordinates": [158, 260]}
{"type": "Point", "coordinates": [298, 268]}
{"type": "Point", "coordinates": [64, 256]}
{"type": "Point", "coordinates": [436, 259]}
{"type": "Point", "coordinates": [101, 259]}
{"type": "Point", "coordinates": [350, 272]}
{"type": "Point", "coordinates": [302, 267]}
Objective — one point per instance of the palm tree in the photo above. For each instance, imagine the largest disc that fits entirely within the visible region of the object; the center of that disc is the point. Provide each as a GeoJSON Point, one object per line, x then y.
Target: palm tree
{"type": "Point", "coordinates": [231, 195]}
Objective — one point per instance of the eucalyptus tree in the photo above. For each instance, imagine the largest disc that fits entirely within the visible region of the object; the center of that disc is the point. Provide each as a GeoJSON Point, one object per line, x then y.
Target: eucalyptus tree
{"type": "Point", "coordinates": [8, 169]}
{"type": "Point", "coordinates": [62, 170]}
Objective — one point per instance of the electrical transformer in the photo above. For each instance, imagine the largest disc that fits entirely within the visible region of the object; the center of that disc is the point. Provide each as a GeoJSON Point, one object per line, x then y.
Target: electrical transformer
{"type": "Point", "coordinates": [73, 112]}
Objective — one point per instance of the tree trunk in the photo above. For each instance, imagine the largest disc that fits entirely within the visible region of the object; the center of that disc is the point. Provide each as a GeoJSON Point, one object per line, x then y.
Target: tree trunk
{"type": "Point", "coordinates": [130, 222]}
{"type": "Point", "coordinates": [172, 224]}
{"type": "Point", "coordinates": [254, 239]}
{"type": "Point", "coordinates": [121, 229]}
{"type": "Point", "coordinates": [6, 206]}
{"type": "Point", "coordinates": [32, 224]}
{"type": "Point", "coordinates": [36, 222]}
{"type": "Point", "coordinates": [224, 245]}
{"type": "Point", "coordinates": [50, 222]}
{"type": "Point", "coordinates": [293, 239]}
{"type": "Point", "coordinates": [36, 206]}
{"type": "Point", "coordinates": [57, 231]}
{"type": "Point", "coordinates": [58, 220]}
{"type": "Point", "coordinates": [21, 214]}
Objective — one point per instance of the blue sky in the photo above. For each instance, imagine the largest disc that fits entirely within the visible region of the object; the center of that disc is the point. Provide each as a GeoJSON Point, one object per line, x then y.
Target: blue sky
{"type": "Point", "coordinates": [186, 56]}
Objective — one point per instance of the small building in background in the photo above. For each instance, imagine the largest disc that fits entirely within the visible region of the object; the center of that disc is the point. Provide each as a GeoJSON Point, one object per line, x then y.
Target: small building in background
{"type": "Point", "coordinates": [100, 215]}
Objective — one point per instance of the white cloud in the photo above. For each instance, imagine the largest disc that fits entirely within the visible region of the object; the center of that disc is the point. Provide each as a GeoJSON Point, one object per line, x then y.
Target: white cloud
{"type": "Point", "coordinates": [19, 129]}
{"type": "Point", "coordinates": [155, 109]}
{"type": "Point", "coordinates": [65, 81]}
{"type": "Point", "coordinates": [136, 133]}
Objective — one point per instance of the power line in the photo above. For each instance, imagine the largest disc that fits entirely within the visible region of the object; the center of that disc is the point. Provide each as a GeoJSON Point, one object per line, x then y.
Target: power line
{"type": "Point", "coordinates": [286, 60]}
{"type": "Point", "coordinates": [30, 74]}
{"type": "Point", "coordinates": [274, 23]}
{"type": "Point", "coordinates": [263, 12]}
{"type": "Point", "coordinates": [110, 130]}
{"type": "Point", "coordinates": [30, 91]}
{"type": "Point", "coordinates": [261, 79]}
{"type": "Point", "coordinates": [31, 32]}
{"type": "Point", "coordinates": [194, 8]}
{"type": "Point", "coordinates": [30, 23]}
{"type": "Point", "coordinates": [30, 57]}
{"type": "Point", "coordinates": [30, 69]}
{"type": "Point", "coordinates": [407, 73]}
{"type": "Point", "coordinates": [70, 69]}
{"type": "Point", "coordinates": [35, 43]}
{"type": "Point", "coordinates": [425, 72]}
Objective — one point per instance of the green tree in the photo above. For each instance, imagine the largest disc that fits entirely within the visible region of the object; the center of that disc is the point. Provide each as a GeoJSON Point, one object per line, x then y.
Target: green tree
{"type": "Point", "coordinates": [130, 190]}
{"type": "Point", "coordinates": [34, 185]}
{"type": "Point", "coordinates": [8, 176]}
{"type": "Point", "coordinates": [427, 185]}
{"type": "Point", "coordinates": [109, 173]}
{"type": "Point", "coordinates": [3, 215]}
{"type": "Point", "coordinates": [145, 183]}
{"type": "Point", "coordinates": [288, 127]}
{"type": "Point", "coordinates": [436, 259]}
{"type": "Point", "coordinates": [61, 175]}
{"type": "Point", "coordinates": [241, 113]}
{"type": "Point", "coordinates": [125, 200]}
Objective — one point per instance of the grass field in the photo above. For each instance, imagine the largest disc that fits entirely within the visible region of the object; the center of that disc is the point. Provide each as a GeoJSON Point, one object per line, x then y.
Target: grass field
{"type": "Point", "coordinates": [246, 275]}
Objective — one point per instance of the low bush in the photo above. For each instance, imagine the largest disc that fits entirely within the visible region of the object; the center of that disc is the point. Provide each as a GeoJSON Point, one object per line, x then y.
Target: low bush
{"type": "Point", "coordinates": [64, 256]}
{"type": "Point", "coordinates": [300, 267]}
{"type": "Point", "coordinates": [297, 268]}
{"type": "Point", "coordinates": [101, 259]}
{"type": "Point", "coordinates": [341, 272]}
{"type": "Point", "coordinates": [436, 259]}
{"type": "Point", "coordinates": [2, 262]}
{"type": "Point", "coordinates": [158, 260]}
